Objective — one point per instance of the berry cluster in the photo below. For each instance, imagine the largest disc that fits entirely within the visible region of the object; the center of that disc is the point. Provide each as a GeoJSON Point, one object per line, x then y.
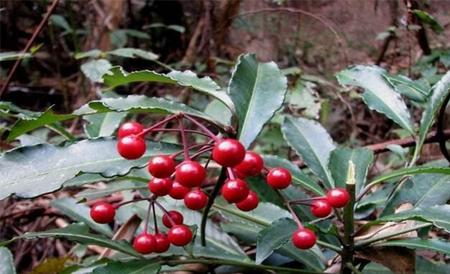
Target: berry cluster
{"type": "Point", "coordinates": [182, 176]}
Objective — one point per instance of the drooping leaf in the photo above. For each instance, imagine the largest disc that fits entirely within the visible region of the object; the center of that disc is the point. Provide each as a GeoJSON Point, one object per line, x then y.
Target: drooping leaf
{"type": "Point", "coordinates": [131, 267]}
{"type": "Point", "coordinates": [339, 160]}
{"type": "Point", "coordinates": [405, 86]}
{"type": "Point", "coordinates": [6, 262]}
{"type": "Point", "coordinates": [80, 213]}
{"type": "Point", "coordinates": [416, 243]}
{"type": "Point", "coordinates": [46, 167]}
{"type": "Point", "coordinates": [378, 94]}
{"type": "Point", "coordinates": [435, 101]}
{"type": "Point", "coordinates": [95, 69]}
{"type": "Point", "coordinates": [257, 90]}
{"type": "Point", "coordinates": [117, 77]}
{"type": "Point", "coordinates": [311, 141]}
{"type": "Point", "coordinates": [429, 19]}
{"type": "Point", "coordinates": [103, 124]}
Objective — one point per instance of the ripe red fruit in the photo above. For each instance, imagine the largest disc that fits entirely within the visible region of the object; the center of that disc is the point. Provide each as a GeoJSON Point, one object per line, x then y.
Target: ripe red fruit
{"type": "Point", "coordinates": [235, 190]}
{"type": "Point", "coordinates": [195, 199]}
{"type": "Point", "coordinates": [177, 218]}
{"type": "Point", "coordinates": [178, 191]}
{"type": "Point", "coordinates": [144, 243]}
{"type": "Point", "coordinates": [130, 128]}
{"type": "Point", "coordinates": [279, 178]}
{"type": "Point", "coordinates": [131, 147]}
{"type": "Point", "coordinates": [304, 238]}
{"type": "Point", "coordinates": [249, 203]}
{"type": "Point", "coordinates": [162, 244]}
{"type": "Point", "coordinates": [320, 208]}
{"type": "Point", "coordinates": [228, 152]}
{"type": "Point", "coordinates": [179, 235]}
{"type": "Point", "coordinates": [160, 187]}
{"type": "Point", "coordinates": [190, 174]}
{"type": "Point", "coordinates": [252, 164]}
{"type": "Point", "coordinates": [338, 197]}
{"type": "Point", "coordinates": [103, 212]}
{"type": "Point", "coordinates": [161, 166]}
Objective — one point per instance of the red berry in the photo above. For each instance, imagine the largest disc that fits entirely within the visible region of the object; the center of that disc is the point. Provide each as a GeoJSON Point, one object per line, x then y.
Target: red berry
{"type": "Point", "coordinates": [144, 243]}
{"type": "Point", "coordinates": [251, 165]}
{"type": "Point", "coordinates": [279, 178]}
{"type": "Point", "coordinates": [161, 166]}
{"type": "Point", "coordinates": [235, 190]}
{"type": "Point", "coordinates": [228, 152]}
{"type": "Point", "coordinates": [175, 216]}
{"type": "Point", "coordinates": [304, 238]}
{"type": "Point", "coordinates": [195, 199]}
{"type": "Point", "coordinates": [190, 174]}
{"type": "Point", "coordinates": [130, 128]}
{"type": "Point", "coordinates": [160, 187]}
{"type": "Point", "coordinates": [103, 212]}
{"type": "Point", "coordinates": [239, 174]}
{"type": "Point", "coordinates": [131, 147]}
{"type": "Point", "coordinates": [320, 208]}
{"type": "Point", "coordinates": [178, 191]}
{"type": "Point", "coordinates": [179, 235]}
{"type": "Point", "coordinates": [338, 197]}
{"type": "Point", "coordinates": [162, 244]}
{"type": "Point", "coordinates": [249, 203]}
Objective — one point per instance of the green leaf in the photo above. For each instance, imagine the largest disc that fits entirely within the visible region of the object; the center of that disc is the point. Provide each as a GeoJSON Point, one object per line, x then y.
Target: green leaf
{"type": "Point", "coordinates": [103, 124]}
{"type": "Point", "coordinates": [95, 69]}
{"type": "Point", "coordinates": [133, 53]}
{"type": "Point", "coordinates": [305, 99]}
{"type": "Point", "coordinates": [407, 87]}
{"type": "Point", "coordinates": [13, 55]}
{"type": "Point", "coordinates": [60, 21]}
{"type": "Point", "coordinates": [430, 244]}
{"type": "Point", "coordinates": [117, 76]}
{"type": "Point", "coordinates": [46, 167]}
{"type": "Point", "coordinates": [430, 20]}
{"type": "Point", "coordinates": [312, 142]}
{"type": "Point", "coordinates": [378, 95]}
{"type": "Point", "coordinates": [81, 213]}
{"type": "Point", "coordinates": [438, 215]}
{"type": "Point", "coordinates": [219, 112]}
{"type": "Point", "coordinates": [339, 159]}
{"type": "Point", "coordinates": [410, 171]}
{"type": "Point", "coordinates": [257, 90]}
{"type": "Point", "coordinates": [130, 267]}
{"type": "Point", "coordinates": [6, 262]}
{"type": "Point", "coordinates": [111, 188]}
{"type": "Point", "coordinates": [79, 233]}
{"type": "Point", "coordinates": [94, 53]}
{"type": "Point", "coordinates": [435, 101]}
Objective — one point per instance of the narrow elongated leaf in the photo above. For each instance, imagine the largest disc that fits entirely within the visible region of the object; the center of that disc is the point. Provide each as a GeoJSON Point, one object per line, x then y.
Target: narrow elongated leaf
{"type": "Point", "coordinates": [411, 171]}
{"type": "Point", "coordinates": [6, 262]}
{"type": "Point", "coordinates": [81, 213]}
{"type": "Point", "coordinates": [438, 215]}
{"type": "Point", "coordinates": [257, 90]}
{"type": "Point", "coordinates": [361, 158]}
{"type": "Point", "coordinates": [378, 94]}
{"type": "Point", "coordinates": [131, 267]}
{"type": "Point", "coordinates": [103, 124]}
{"type": "Point", "coordinates": [435, 101]}
{"type": "Point", "coordinates": [311, 141]}
{"type": "Point", "coordinates": [430, 244]}
{"type": "Point", "coordinates": [46, 167]}
{"type": "Point", "coordinates": [117, 77]}
{"type": "Point", "coordinates": [79, 233]}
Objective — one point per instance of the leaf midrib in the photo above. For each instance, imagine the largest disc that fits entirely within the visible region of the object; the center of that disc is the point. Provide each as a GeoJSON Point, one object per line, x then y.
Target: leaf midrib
{"type": "Point", "coordinates": [251, 102]}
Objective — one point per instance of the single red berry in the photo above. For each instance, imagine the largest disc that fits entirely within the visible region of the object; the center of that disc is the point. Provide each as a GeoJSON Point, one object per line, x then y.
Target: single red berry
{"type": "Point", "coordinates": [190, 174]}
{"type": "Point", "coordinates": [161, 166]}
{"type": "Point", "coordinates": [320, 208]}
{"type": "Point", "coordinates": [279, 178]}
{"type": "Point", "coordinates": [338, 197]}
{"type": "Point", "coordinates": [160, 187]}
{"type": "Point", "coordinates": [239, 174]}
{"type": "Point", "coordinates": [228, 152]}
{"type": "Point", "coordinates": [179, 235]}
{"type": "Point", "coordinates": [131, 147]}
{"type": "Point", "coordinates": [178, 191]}
{"type": "Point", "coordinates": [144, 243]}
{"type": "Point", "coordinates": [304, 238]}
{"type": "Point", "coordinates": [235, 190]}
{"type": "Point", "coordinates": [175, 216]}
{"type": "Point", "coordinates": [195, 199]}
{"type": "Point", "coordinates": [103, 212]}
{"type": "Point", "coordinates": [252, 164]}
{"type": "Point", "coordinates": [162, 244]}
{"type": "Point", "coordinates": [249, 203]}
{"type": "Point", "coordinates": [130, 128]}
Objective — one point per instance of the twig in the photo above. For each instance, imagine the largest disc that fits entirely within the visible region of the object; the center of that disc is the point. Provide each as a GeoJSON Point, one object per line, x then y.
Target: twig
{"type": "Point", "coordinates": [29, 43]}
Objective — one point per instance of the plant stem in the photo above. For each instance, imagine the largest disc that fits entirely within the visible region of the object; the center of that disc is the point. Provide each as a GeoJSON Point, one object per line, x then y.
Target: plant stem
{"type": "Point", "coordinates": [189, 148]}
{"type": "Point", "coordinates": [177, 130]}
{"type": "Point", "coordinates": [294, 215]}
{"type": "Point", "coordinates": [231, 173]}
{"type": "Point", "coordinates": [348, 241]}
{"type": "Point", "coordinates": [184, 140]}
{"type": "Point", "coordinates": [202, 127]}
{"type": "Point", "coordinates": [155, 223]}
{"type": "Point", "coordinates": [147, 217]}
{"type": "Point", "coordinates": [200, 152]}
{"type": "Point", "coordinates": [160, 123]}
{"type": "Point", "coordinates": [165, 212]}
